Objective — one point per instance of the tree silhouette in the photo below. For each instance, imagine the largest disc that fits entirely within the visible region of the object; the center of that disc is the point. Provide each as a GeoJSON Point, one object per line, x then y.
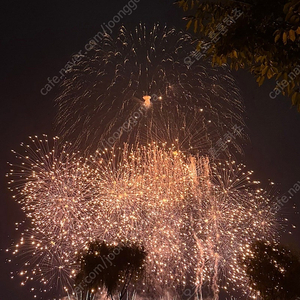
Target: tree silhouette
{"type": "Point", "coordinates": [109, 268]}
{"type": "Point", "coordinates": [274, 271]}
{"type": "Point", "coordinates": [265, 39]}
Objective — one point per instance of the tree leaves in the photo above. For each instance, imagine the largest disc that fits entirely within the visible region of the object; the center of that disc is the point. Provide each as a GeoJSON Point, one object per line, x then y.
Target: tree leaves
{"type": "Point", "coordinates": [189, 24]}
{"type": "Point", "coordinates": [265, 39]}
{"type": "Point", "coordinates": [284, 38]}
{"type": "Point", "coordinates": [195, 26]}
{"type": "Point", "coordinates": [125, 263]}
{"type": "Point", "coordinates": [260, 80]}
{"type": "Point", "coordinates": [265, 69]}
{"type": "Point", "coordinates": [277, 37]}
{"type": "Point", "coordinates": [292, 35]}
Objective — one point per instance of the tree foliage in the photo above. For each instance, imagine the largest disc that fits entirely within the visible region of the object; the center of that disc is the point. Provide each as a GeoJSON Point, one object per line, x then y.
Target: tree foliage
{"type": "Point", "coordinates": [274, 271]}
{"type": "Point", "coordinates": [109, 268]}
{"type": "Point", "coordinates": [265, 39]}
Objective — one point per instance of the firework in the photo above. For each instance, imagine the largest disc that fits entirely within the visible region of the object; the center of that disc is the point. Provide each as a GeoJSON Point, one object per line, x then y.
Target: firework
{"type": "Point", "coordinates": [145, 124]}
{"type": "Point", "coordinates": [54, 187]}
{"type": "Point", "coordinates": [138, 79]}
{"type": "Point", "coordinates": [195, 219]}
{"type": "Point", "coordinates": [57, 187]}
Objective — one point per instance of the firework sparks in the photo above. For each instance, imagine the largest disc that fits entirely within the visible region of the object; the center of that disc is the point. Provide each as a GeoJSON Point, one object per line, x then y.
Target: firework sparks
{"type": "Point", "coordinates": [195, 106]}
{"type": "Point", "coordinates": [157, 187]}
{"type": "Point", "coordinates": [195, 219]}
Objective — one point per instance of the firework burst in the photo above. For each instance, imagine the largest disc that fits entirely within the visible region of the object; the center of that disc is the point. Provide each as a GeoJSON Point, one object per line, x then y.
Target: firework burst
{"type": "Point", "coordinates": [142, 73]}
{"type": "Point", "coordinates": [54, 187]}
{"type": "Point", "coordinates": [195, 219]}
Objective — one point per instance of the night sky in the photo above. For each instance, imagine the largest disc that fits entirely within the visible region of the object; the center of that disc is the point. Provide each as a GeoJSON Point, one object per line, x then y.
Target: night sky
{"type": "Point", "coordinates": [38, 39]}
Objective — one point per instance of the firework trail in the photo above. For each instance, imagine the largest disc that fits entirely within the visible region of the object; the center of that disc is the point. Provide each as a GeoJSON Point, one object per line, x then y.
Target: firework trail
{"type": "Point", "coordinates": [138, 79]}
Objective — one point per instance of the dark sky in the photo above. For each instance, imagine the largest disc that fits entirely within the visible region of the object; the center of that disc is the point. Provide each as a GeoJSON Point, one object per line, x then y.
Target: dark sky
{"type": "Point", "coordinates": [38, 39]}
